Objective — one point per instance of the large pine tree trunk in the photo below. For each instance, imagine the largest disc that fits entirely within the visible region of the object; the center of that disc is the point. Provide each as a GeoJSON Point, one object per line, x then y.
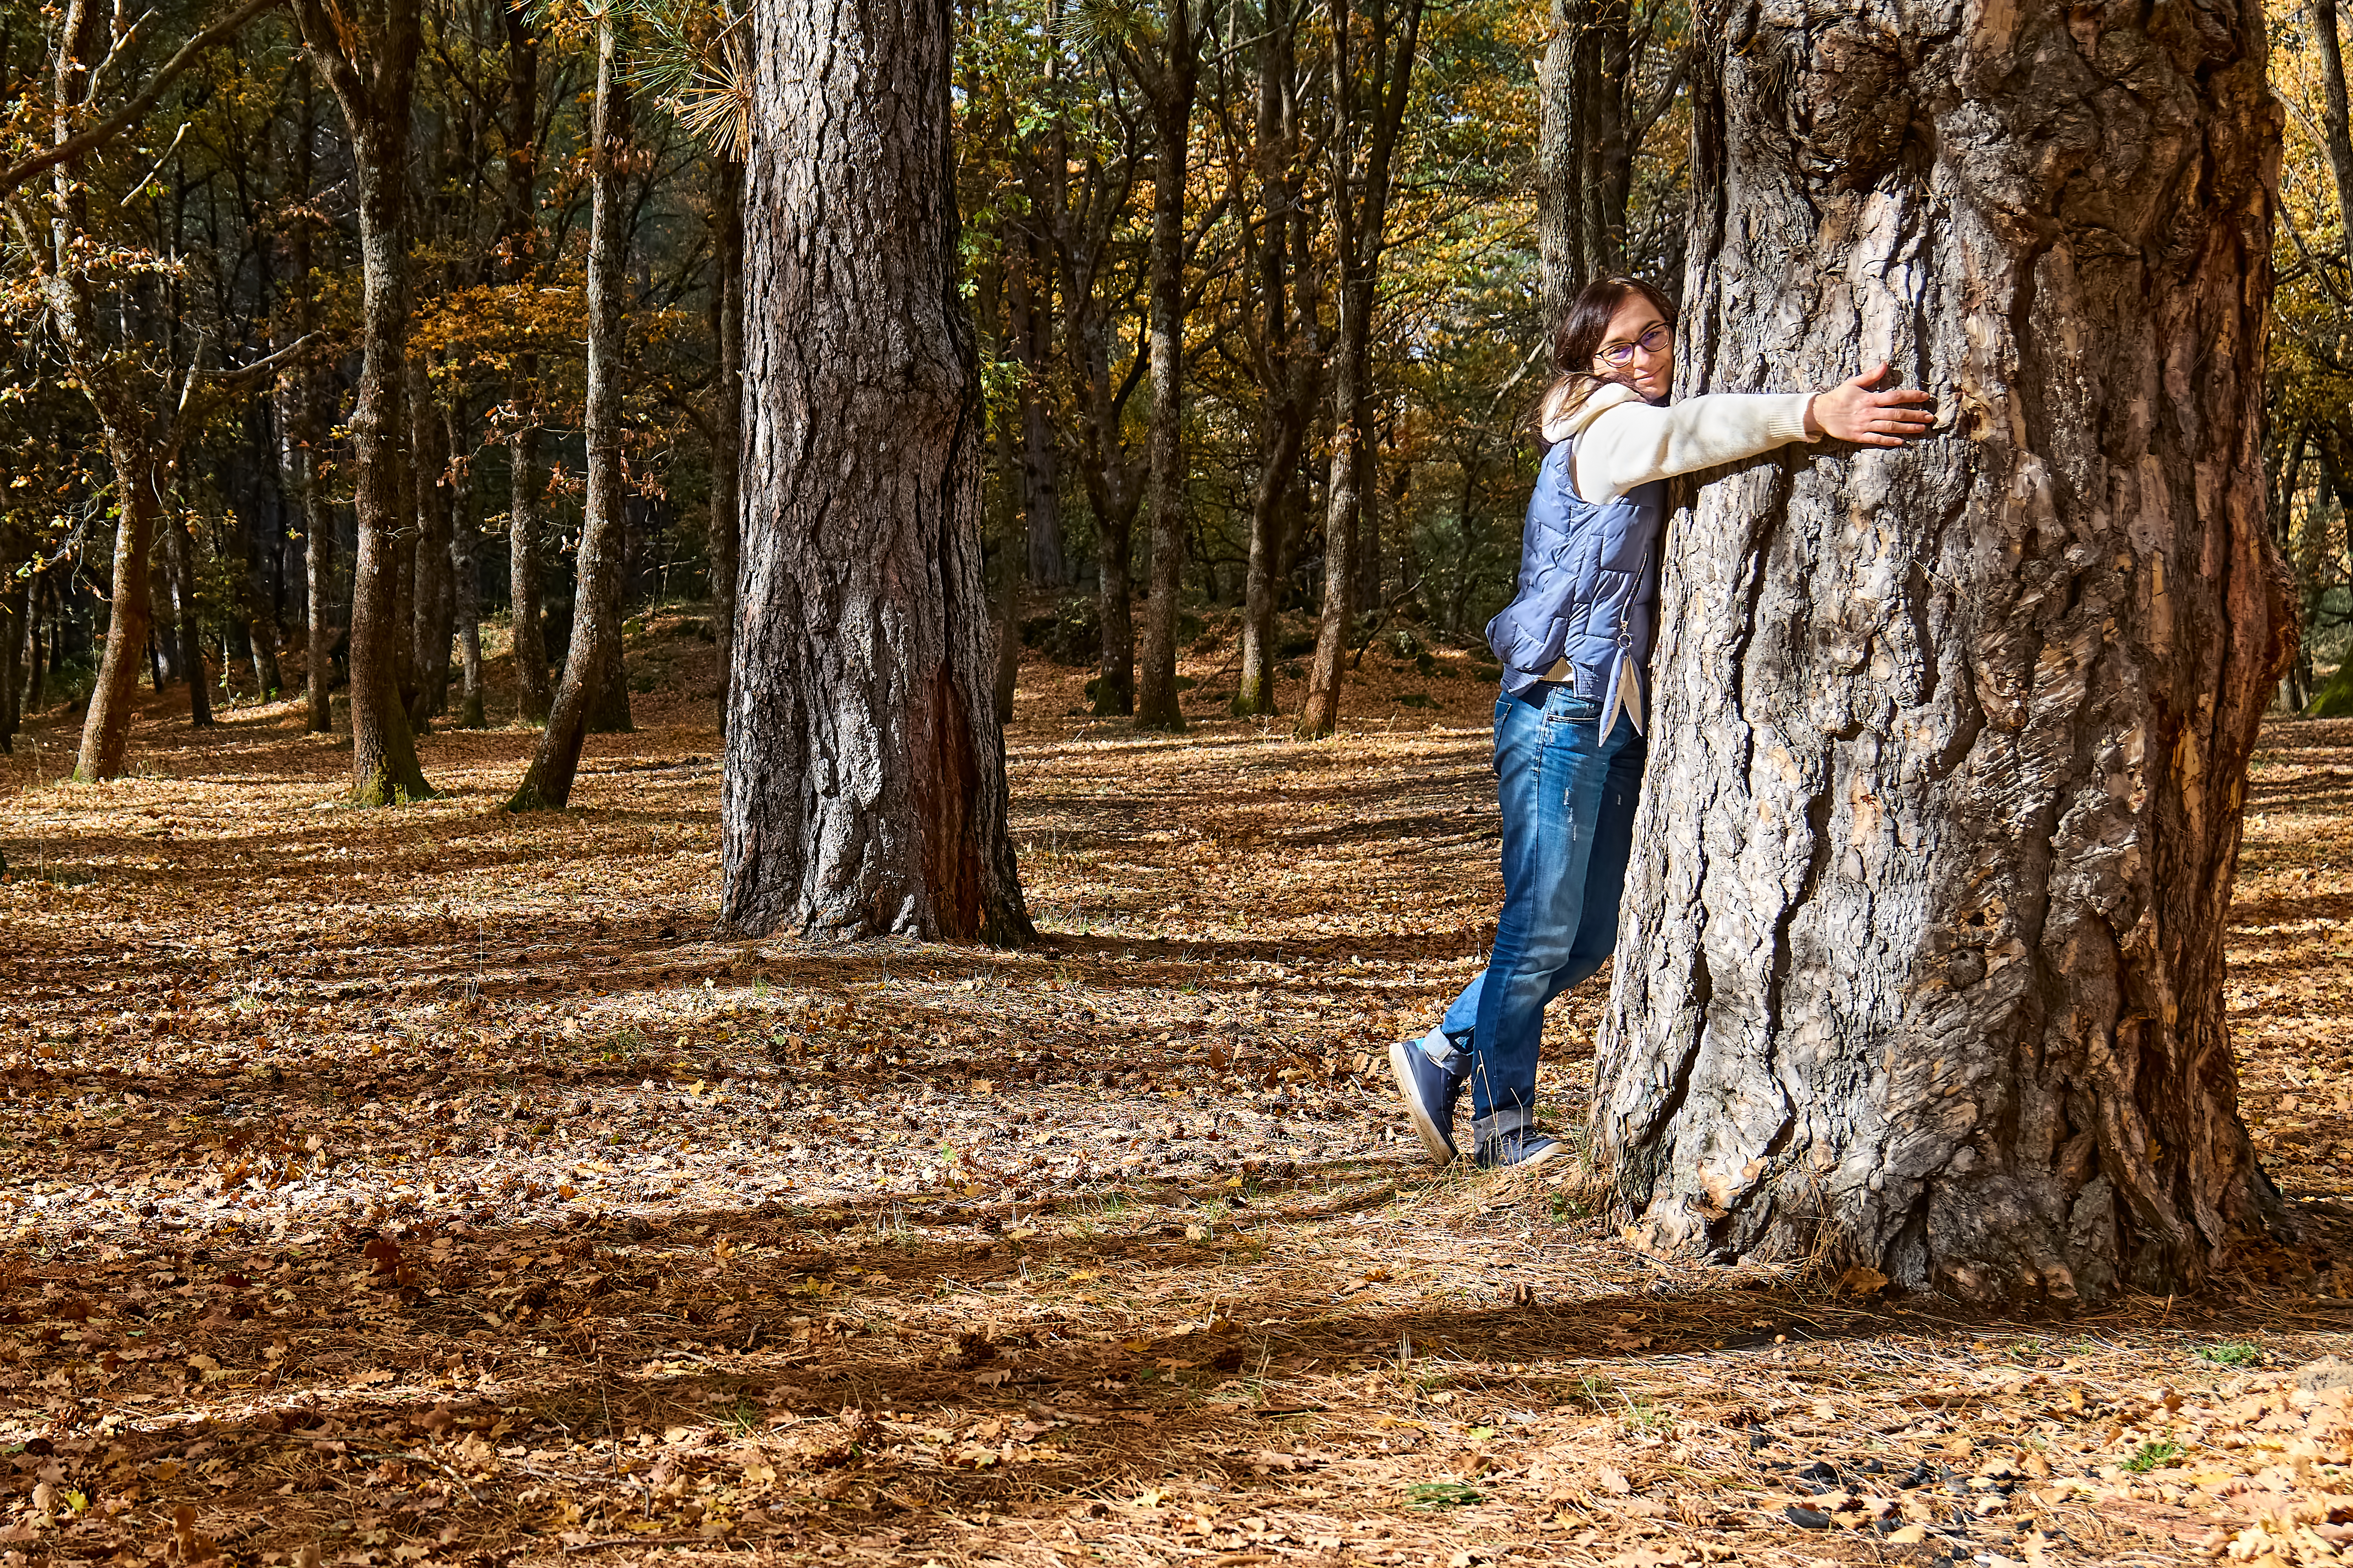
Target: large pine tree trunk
{"type": "Point", "coordinates": [1921, 967]}
{"type": "Point", "coordinates": [865, 780]}
{"type": "Point", "coordinates": [1170, 81]}
{"type": "Point", "coordinates": [593, 656]}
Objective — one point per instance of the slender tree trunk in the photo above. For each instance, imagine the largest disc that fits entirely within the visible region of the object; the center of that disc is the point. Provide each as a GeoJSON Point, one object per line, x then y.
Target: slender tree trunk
{"type": "Point", "coordinates": [1591, 117]}
{"type": "Point", "coordinates": [526, 478]}
{"type": "Point", "coordinates": [319, 588]}
{"type": "Point", "coordinates": [1360, 221]}
{"type": "Point", "coordinates": [727, 413]}
{"type": "Point", "coordinates": [162, 610]}
{"type": "Point", "coordinates": [528, 483]}
{"type": "Point", "coordinates": [1113, 495]}
{"type": "Point", "coordinates": [1030, 309]}
{"type": "Point", "coordinates": [1921, 964]}
{"type": "Point", "coordinates": [2336, 134]}
{"type": "Point", "coordinates": [432, 614]}
{"type": "Point", "coordinates": [36, 654]}
{"type": "Point", "coordinates": [1289, 363]}
{"type": "Point", "coordinates": [384, 768]}
{"type": "Point", "coordinates": [261, 630]}
{"type": "Point", "coordinates": [106, 728]}
{"type": "Point", "coordinates": [594, 652]}
{"type": "Point", "coordinates": [1562, 267]}
{"type": "Point", "coordinates": [865, 781]}
{"type": "Point", "coordinates": [465, 578]}
{"type": "Point", "coordinates": [180, 560]}
{"type": "Point", "coordinates": [1170, 82]}
{"type": "Point", "coordinates": [371, 71]}
{"type": "Point", "coordinates": [16, 614]}
{"type": "Point", "coordinates": [1114, 612]}
{"type": "Point", "coordinates": [1371, 563]}
{"type": "Point", "coordinates": [1008, 636]}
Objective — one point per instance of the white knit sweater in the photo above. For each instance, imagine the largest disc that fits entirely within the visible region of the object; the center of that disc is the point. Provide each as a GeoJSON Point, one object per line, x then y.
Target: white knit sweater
{"type": "Point", "coordinates": [1623, 442]}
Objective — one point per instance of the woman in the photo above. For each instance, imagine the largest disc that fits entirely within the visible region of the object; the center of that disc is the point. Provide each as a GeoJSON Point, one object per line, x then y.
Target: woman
{"type": "Point", "coordinates": [1575, 645]}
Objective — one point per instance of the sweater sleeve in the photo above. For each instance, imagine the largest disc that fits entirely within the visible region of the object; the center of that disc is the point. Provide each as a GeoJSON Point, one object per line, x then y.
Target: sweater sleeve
{"type": "Point", "coordinates": [1631, 443]}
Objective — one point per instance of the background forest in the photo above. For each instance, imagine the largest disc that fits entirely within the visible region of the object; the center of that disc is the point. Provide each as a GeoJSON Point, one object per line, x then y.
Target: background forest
{"type": "Point", "coordinates": [1126, 191]}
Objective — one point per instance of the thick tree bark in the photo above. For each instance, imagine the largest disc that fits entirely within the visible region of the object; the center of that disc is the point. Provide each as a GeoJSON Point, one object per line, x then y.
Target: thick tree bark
{"type": "Point", "coordinates": [593, 656]}
{"type": "Point", "coordinates": [1360, 210]}
{"type": "Point", "coordinates": [1169, 83]}
{"type": "Point", "coordinates": [370, 65]}
{"type": "Point", "coordinates": [726, 411]}
{"type": "Point", "coordinates": [865, 789]}
{"type": "Point", "coordinates": [1921, 969]}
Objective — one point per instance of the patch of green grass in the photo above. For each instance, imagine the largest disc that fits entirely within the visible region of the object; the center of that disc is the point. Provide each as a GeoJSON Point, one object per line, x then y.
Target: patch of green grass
{"type": "Point", "coordinates": [1442, 1494]}
{"type": "Point", "coordinates": [2149, 1456]}
{"type": "Point", "coordinates": [1641, 1416]}
{"type": "Point", "coordinates": [2229, 1355]}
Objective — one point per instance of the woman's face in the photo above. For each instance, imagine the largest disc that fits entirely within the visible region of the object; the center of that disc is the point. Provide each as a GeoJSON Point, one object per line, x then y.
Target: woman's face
{"type": "Point", "coordinates": [1639, 350]}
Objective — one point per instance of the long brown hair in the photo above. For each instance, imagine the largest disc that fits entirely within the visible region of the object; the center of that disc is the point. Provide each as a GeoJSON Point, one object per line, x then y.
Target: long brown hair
{"type": "Point", "coordinates": [1576, 338]}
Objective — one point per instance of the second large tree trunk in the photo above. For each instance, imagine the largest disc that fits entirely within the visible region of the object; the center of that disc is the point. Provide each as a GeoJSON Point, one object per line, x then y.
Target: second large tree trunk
{"type": "Point", "coordinates": [865, 780]}
{"type": "Point", "coordinates": [592, 658]}
{"type": "Point", "coordinates": [1922, 962]}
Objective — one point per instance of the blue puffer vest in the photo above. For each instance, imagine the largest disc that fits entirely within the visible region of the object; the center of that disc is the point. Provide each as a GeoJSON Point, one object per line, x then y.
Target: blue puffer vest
{"type": "Point", "coordinates": [1588, 587]}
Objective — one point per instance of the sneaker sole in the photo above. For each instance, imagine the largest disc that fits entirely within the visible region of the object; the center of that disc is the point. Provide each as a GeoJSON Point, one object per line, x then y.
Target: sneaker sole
{"type": "Point", "coordinates": [1433, 1137]}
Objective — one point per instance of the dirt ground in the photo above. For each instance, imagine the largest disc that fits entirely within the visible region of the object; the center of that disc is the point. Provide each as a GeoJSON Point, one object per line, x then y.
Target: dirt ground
{"type": "Point", "coordinates": [431, 1186]}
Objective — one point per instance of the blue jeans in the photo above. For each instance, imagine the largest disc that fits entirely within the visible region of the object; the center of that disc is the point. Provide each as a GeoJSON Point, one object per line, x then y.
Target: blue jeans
{"type": "Point", "coordinates": [1567, 798]}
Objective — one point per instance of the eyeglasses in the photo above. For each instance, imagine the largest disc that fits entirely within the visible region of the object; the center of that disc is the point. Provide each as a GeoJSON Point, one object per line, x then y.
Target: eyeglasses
{"type": "Point", "coordinates": [1653, 341]}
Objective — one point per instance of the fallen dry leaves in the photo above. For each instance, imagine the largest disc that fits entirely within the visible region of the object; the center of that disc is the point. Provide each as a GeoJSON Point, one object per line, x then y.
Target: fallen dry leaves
{"type": "Point", "coordinates": [430, 1186]}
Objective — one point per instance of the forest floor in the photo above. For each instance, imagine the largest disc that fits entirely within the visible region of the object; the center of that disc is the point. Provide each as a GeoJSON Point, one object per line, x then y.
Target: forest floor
{"type": "Point", "coordinates": [431, 1185]}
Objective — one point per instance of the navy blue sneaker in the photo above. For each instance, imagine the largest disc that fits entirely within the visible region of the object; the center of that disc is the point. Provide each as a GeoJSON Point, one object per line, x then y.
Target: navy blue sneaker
{"type": "Point", "coordinates": [1430, 1092]}
{"type": "Point", "coordinates": [1521, 1147]}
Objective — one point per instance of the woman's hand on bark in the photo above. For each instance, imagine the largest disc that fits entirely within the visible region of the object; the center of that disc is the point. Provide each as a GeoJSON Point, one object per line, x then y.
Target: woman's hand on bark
{"type": "Point", "coordinates": [1850, 411]}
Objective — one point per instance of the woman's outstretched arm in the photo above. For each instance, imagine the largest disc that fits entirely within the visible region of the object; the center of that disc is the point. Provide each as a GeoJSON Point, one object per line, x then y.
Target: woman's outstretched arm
{"type": "Point", "coordinates": [1624, 442]}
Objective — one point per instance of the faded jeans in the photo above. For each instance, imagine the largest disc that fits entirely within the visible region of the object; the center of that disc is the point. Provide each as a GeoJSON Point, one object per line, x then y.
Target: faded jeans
{"type": "Point", "coordinates": [1567, 798]}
